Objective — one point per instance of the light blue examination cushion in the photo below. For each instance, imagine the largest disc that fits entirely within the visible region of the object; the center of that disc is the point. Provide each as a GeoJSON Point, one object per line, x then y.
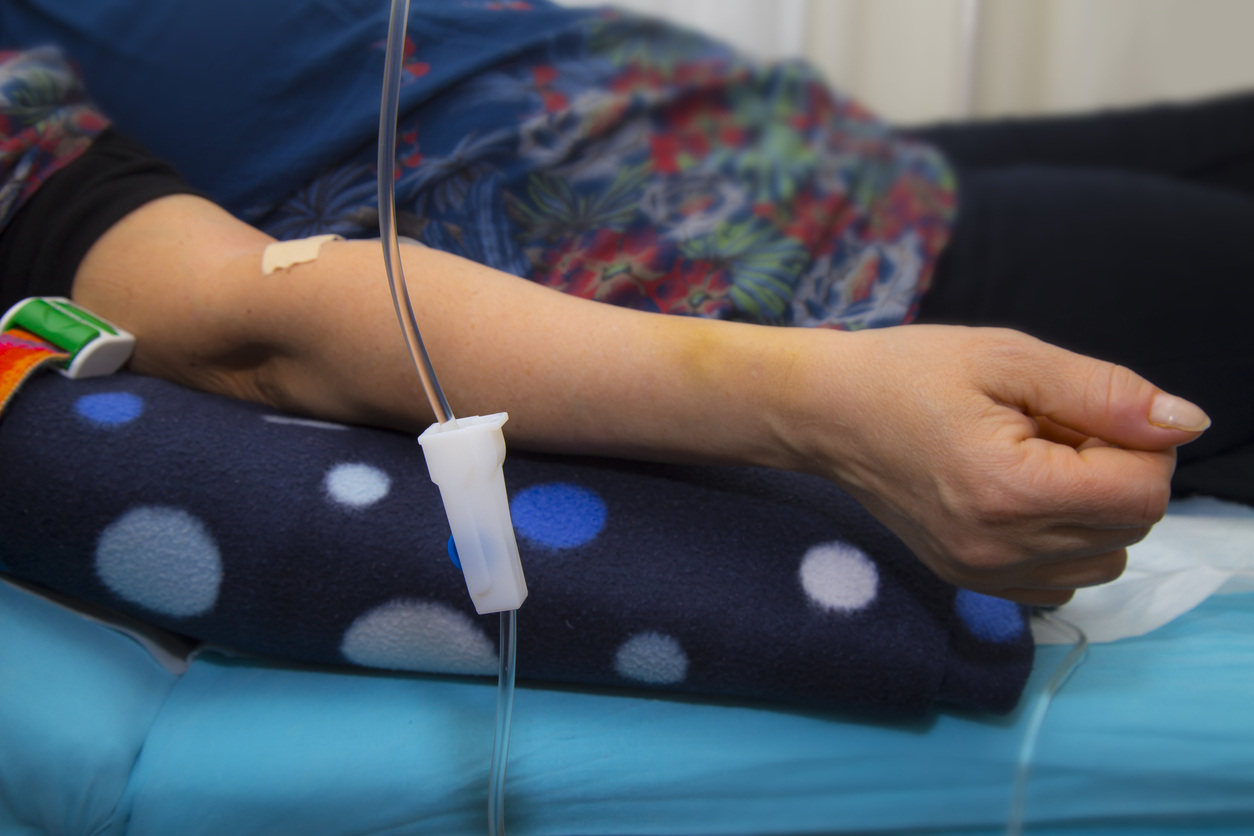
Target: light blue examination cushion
{"type": "Point", "coordinates": [1150, 734]}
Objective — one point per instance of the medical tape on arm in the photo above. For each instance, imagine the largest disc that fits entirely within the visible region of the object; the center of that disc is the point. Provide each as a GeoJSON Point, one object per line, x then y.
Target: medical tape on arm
{"type": "Point", "coordinates": [282, 255]}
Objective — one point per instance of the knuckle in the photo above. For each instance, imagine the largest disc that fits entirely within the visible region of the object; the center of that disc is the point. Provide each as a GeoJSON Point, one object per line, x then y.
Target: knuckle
{"type": "Point", "coordinates": [1109, 569]}
{"type": "Point", "coordinates": [1053, 598]}
{"type": "Point", "coordinates": [1137, 535]}
{"type": "Point", "coordinates": [1154, 500]}
{"type": "Point", "coordinates": [993, 505]}
{"type": "Point", "coordinates": [980, 565]}
{"type": "Point", "coordinates": [1005, 348]}
{"type": "Point", "coordinates": [1103, 388]}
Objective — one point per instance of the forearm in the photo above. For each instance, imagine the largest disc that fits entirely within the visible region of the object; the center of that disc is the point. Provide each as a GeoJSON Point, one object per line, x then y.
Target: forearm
{"type": "Point", "coordinates": [575, 376]}
{"type": "Point", "coordinates": [321, 338]}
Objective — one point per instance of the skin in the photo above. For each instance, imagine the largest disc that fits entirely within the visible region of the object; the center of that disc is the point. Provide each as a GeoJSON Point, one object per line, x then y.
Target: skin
{"type": "Point", "coordinates": [1008, 466]}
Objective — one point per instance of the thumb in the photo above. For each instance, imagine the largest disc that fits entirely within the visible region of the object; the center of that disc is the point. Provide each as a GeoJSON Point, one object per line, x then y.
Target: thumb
{"type": "Point", "coordinates": [1109, 402]}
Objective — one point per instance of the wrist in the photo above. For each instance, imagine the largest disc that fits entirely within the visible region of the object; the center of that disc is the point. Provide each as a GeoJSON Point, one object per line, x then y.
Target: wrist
{"type": "Point", "coordinates": [823, 405]}
{"type": "Point", "coordinates": [774, 392]}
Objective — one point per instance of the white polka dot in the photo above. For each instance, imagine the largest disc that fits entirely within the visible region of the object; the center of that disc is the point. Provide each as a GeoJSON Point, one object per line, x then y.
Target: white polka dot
{"type": "Point", "coordinates": [357, 485]}
{"type": "Point", "coordinates": [163, 559]}
{"type": "Point", "coordinates": [839, 577]}
{"type": "Point", "coordinates": [653, 658]}
{"type": "Point", "coordinates": [408, 635]}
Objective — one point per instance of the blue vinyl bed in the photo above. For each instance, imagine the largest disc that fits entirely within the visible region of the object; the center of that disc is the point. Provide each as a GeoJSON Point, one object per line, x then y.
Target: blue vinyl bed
{"type": "Point", "coordinates": [1151, 735]}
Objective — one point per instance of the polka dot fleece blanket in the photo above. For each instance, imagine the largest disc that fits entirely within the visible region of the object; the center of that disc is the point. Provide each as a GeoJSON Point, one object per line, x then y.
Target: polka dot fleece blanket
{"type": "Point", "coordinates": [228, 523]}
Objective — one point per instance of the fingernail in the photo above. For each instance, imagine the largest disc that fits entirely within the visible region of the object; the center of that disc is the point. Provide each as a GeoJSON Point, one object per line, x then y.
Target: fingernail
{"type": "Point", "coordinates": [1172, 413]}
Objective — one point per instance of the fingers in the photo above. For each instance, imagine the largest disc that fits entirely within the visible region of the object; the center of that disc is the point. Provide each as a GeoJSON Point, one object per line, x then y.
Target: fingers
{"type": "Point", "coordinates": [1127, 487]}
{"type": "Point", "coordinates": [1077, 523]}
{"type": "Point", "coordinates": [1094, 398]}
{"type": "Point", "coordinates": [1066, 560]}
{"type": "Point", "coordinates": [1036, 597]}
{"type": "Point", "coordinates": [1059, 434]}
{"type": "Point", "coordinates": [1054, 584]}
{"type": "Point", "coordinates": [1093, 486]}
{"type": "Point", "coordinates": [1065, 520]}
{"type": "Point", "coordinates": [1077, 573]}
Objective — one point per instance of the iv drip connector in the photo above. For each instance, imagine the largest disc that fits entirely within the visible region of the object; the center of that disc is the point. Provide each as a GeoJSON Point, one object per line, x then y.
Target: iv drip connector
{"type": "Point", "coordinates": [465, 457]}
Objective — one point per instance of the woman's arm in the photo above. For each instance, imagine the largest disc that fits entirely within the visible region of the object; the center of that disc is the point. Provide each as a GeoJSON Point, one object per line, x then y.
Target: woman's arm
{"type": "Point", "coordinates": [1007, 465]}
{"type": "Point", "coordinates": [321, 339]}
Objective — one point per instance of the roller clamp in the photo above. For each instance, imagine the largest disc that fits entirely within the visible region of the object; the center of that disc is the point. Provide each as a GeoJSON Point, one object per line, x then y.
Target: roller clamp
{"type": "Point", "coordinates": [96, 346]}
{"type": "Point", "coordinates": [465, 457]}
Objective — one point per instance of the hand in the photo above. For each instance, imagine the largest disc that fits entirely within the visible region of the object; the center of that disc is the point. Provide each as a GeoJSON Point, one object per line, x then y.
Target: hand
{"type": "Point", "coordinates": [1009, 466]}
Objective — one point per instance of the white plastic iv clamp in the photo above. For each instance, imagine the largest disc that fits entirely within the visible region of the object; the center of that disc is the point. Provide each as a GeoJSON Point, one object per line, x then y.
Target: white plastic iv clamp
{"type": "Point", "coordinates": [464, 457]}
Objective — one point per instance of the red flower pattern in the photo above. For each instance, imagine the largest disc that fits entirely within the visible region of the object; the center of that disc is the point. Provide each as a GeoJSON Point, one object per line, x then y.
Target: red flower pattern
{"type": "Point", "coordinates": [635, 270]}
{"type": "Point", "coordinates": [33, 149]}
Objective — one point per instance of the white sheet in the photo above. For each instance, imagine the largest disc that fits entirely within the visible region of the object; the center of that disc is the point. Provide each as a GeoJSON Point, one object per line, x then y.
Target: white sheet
{"type": "Point", "coordinates": [1202, 547]}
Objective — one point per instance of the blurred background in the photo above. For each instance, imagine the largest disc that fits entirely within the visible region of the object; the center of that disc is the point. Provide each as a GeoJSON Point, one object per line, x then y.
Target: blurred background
{"type": "Point", "coordinates": [926, 60]}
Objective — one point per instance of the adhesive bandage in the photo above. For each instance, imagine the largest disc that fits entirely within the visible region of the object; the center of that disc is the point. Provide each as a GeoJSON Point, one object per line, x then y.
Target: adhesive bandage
{"type": "Point", "coordinates": [284, 254]}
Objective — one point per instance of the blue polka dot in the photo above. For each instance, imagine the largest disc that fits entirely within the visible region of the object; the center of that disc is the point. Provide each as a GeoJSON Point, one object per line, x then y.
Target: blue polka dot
{"type": "Point", "coordinates": [558, 515]}
{"type": "Point", "coordinates": [989, 619]}
{"type": "Point", "coordinates": [109, 409]}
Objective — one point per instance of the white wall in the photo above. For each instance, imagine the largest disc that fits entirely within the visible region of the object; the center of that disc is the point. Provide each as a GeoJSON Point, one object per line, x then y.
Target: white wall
{"type": "Point", "coordinates": [907, 59]}
{"type": "Point", "coordinates": [1074, 54]}
{"type": "Point", "coordinates": [763, 28]}
{"type": "Point", "coordinates": [919, 60]}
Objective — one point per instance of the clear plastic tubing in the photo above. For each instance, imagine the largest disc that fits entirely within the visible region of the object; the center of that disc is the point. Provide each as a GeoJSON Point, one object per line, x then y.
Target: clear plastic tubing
{"type": "Point", "coordinates": [387, 210]}
{"type": "Point", "coordinates": [504, 716]}
{"type": "Point", "coordinates": [388, 113]}
{"type": "Point", "coordinates": [1036, 719]}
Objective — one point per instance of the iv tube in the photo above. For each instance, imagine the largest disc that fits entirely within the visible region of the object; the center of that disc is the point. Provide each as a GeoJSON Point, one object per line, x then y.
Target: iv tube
{"type": "Point", "coordinates": [504, 716]}
{"type": "Point", "coordinates": [409, 325]}
{"type": "Point", "coordinates": [1036, 720]}
{"type": "Point", "coordinates": [387, 211]}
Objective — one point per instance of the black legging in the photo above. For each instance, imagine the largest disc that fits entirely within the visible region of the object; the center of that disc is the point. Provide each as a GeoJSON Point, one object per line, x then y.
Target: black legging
{"type": "Point", "coordinates": [1127, 236]}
